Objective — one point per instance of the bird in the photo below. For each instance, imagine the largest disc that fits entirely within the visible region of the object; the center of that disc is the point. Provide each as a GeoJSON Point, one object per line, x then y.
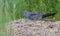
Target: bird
{"type": "Point", "coordinates": [37, 15]}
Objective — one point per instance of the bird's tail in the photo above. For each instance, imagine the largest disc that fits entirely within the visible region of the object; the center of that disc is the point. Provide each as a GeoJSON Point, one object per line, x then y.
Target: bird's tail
{"type": "Point", "coordinates": [48, 14]}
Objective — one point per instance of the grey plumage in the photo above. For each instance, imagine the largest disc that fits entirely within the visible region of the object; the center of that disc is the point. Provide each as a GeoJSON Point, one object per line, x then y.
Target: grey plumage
{"type": "Point", "coordinates": [33, 15]}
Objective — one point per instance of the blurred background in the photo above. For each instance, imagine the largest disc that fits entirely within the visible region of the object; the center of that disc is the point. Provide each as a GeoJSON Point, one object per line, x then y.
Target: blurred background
{"type": "Point", "coordinates": [12, 10]}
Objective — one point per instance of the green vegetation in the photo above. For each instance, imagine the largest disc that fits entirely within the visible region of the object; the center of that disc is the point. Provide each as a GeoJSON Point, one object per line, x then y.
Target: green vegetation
{"type": "Point", "coordinates": [12, 9]}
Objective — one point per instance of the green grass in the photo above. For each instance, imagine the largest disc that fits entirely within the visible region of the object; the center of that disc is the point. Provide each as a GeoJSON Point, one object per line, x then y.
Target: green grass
{"type": "Point", "coordinates": [12, 9]}
{"type": "Point", "coordinates": [3, 31]}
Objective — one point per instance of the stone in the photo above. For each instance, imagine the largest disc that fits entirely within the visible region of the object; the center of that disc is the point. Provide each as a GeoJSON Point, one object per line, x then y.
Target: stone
{"type": "Point", "coordinates": [26, 27]}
